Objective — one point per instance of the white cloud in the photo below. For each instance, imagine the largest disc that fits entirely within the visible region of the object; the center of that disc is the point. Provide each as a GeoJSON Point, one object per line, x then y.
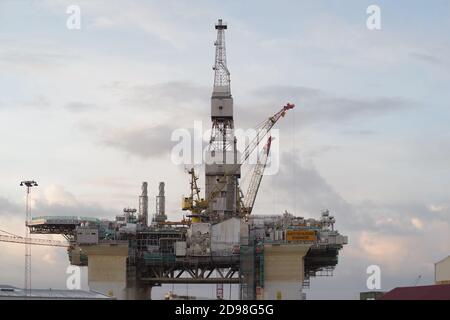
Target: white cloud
{"type": "Point", "coordinates": [438, 208]}
{"type": "Point", "coordinates": [417, 223]}
{"type": "Point", "coordinates": [48, 259]}
{"type": "Point", "coordinates": [57, 195]}
{"type": "Point", "coordinates": [152, 18]}
{"type": "Point", "coordinates": [383, 249]}
{"type": "Point", "coordinates": [103, 22]}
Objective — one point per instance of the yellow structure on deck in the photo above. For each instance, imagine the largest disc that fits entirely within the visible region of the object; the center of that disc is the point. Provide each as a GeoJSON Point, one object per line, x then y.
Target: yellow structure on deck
{"type": "Point", "coordinates": [194, 203]}
{"type": "Point", "coordinates": [301, 235]}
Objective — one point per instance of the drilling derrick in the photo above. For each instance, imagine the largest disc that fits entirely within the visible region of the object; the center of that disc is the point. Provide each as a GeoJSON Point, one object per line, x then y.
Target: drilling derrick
{"type": "Point", "coordinates": [222, 160]}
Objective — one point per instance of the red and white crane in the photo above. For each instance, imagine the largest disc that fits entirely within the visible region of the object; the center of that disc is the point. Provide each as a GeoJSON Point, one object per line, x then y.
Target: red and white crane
{"type": "Point", "coordinates": [247, 201]}
{"type": "Point", "coordinates": [255, 181]}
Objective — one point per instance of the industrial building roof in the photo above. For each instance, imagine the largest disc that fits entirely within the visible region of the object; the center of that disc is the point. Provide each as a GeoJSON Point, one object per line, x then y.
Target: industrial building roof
{"type": "Point", "coordinates": [10, 292]}
{"type": "Point", "coordinates": [434, 292]}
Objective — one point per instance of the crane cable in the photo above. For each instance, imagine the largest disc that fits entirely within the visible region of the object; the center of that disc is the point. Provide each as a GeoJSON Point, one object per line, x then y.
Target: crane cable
{"type": "Point", "coordinates": [11, 234]}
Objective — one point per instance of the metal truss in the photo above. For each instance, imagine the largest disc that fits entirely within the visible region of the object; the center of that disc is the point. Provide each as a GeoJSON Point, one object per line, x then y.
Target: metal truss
{"type": "Point", "coordinates": [201, 275]}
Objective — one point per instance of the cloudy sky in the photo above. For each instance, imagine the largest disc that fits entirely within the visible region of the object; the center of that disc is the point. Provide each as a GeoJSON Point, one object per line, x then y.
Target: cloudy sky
{"type": "Point", "coordinates": [89, 114]}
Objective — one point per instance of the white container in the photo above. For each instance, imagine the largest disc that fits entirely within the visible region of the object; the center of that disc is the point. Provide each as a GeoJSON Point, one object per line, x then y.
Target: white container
{"type": "Point", "coordinates": [87, 236]}
{"type": "Point", "coordinates": [180, 248]}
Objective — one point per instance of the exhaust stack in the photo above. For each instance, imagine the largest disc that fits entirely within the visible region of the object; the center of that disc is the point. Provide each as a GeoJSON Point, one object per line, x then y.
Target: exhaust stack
{"type": "Point", "coordinates": [160, 215]}
{"type": "Point", "coordinates": [143, 205]}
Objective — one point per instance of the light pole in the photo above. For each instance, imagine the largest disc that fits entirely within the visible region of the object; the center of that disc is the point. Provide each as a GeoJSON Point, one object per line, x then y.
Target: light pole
{"type": "Point", "coordinates": [27, 284]}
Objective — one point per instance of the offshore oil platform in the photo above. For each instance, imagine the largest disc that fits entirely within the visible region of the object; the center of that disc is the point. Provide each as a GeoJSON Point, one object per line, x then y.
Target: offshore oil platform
{"type": "Point", "coordinates": [219, 241]}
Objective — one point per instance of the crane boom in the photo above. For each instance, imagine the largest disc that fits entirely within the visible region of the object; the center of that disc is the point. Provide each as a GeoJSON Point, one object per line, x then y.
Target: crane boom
{"type": "Point", "coordinates": [247, 202]}
{"type": "Point", "coordinates": [257, 176]}
{"type": "Point", "coordinates": [264, 130]}
{"type": "Point", "coordinates": [40, 242]}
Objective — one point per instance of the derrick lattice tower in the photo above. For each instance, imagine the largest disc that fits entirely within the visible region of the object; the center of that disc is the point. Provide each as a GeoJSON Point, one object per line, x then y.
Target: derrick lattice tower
{"type": "Point", "coordinates": [222, 168]}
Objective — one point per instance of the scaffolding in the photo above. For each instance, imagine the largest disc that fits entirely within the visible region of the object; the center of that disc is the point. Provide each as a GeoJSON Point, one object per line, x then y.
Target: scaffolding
{"type": "Point", "coordinates": [251, 267]}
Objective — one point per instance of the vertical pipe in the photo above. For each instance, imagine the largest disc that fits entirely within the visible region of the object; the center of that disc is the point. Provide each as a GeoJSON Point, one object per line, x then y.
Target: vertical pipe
{"type": "Point", "coordinates": [161, 204]}
{"type": "Point", "coordinates": [143, 205]}
{"type": "Point", "coordinates": [27, 278]}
